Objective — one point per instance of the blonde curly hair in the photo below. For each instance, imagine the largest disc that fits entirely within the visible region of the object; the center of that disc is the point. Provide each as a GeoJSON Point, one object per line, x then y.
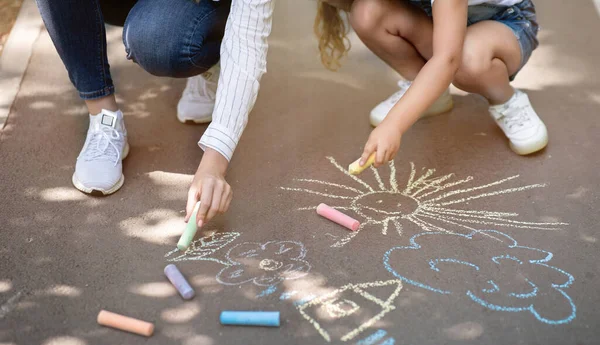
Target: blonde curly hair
{"type": "Point", "coordinates": [332, 33]}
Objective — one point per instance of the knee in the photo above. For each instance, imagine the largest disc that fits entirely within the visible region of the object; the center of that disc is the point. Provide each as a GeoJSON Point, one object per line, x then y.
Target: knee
{"type": "Point", "coordinates": [165, 48]}
{"type": "Point", "coordinates": [366, 16]}
{"type": "Point", "coordinates": [474, 64]}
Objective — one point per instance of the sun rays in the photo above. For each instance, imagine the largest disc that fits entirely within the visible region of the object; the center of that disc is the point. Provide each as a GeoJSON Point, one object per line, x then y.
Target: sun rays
{"type": "Point", "coordinates": [428, 201]}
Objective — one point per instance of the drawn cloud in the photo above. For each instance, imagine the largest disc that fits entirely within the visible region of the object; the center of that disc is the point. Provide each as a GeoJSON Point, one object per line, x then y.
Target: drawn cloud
{"type": "Point", "coordinates": [490, 268]}
{"type": "Point", "coordinates": [264, 264]}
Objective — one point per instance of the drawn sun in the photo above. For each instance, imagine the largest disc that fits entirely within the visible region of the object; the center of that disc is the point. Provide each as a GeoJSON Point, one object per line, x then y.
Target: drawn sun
{"type": "Point", "coordinates": [426, 201]}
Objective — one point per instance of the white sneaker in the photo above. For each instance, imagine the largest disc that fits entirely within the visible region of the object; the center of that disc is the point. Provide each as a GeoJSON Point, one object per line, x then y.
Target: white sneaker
{"type": "Point", "coordinates": [441, 105]}
{"type": "Point", "coordinates": [521, 125]}
{"type": "Point", "coordinates": [198, 99]}
{"type": "Point", "coordinates": [99, 169]}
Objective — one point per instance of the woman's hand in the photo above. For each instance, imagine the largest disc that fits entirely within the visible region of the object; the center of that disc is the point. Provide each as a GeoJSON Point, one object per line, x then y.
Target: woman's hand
{"type": "Point", "coordinates": [210, 188]}
{"type": "Point", "coordinates": [385, 141]}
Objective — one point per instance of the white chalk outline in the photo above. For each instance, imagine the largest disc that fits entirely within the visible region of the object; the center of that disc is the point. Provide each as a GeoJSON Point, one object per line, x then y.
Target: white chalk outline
{"type": "Point", "coordinates": [200, 249]}
{"type": "Point", "coordinates": [327, 299]}
{"type": "Point", "coordinates": [432, 195]}
{"type": "Point", "coordinates": [289, 273]}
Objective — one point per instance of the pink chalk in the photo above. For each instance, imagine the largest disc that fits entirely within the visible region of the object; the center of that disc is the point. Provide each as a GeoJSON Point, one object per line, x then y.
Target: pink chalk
{"type": "Point", "coordinates": [338, 217]}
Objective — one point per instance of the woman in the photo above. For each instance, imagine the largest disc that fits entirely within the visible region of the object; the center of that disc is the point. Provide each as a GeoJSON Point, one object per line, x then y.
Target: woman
{"type": "Point", "coordinates": [175, 38]}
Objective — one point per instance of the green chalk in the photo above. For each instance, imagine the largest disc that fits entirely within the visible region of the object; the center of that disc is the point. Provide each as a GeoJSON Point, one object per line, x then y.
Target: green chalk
{"type": "Point", "coordinates": [189, 232]}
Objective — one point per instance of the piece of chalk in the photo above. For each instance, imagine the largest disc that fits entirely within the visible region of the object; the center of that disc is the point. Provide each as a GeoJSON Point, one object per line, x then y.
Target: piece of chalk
{"type": "Point", "coordinates": [190, 231]}
{"type": "Point", "coordinates": [178, 280]}
{"type": "Point", "coordinates": [355, 168]}
{"type": "Point", "coordinates": [250, 318]}
{"type": "Point", "coordinates": [338, 217]}
{"type": "Point", "coordinates": [125, 323]}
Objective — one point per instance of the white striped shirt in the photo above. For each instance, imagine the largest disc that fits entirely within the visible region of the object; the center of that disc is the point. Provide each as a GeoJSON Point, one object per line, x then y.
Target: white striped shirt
{"type": "Point", "coordinates": [243, 62]}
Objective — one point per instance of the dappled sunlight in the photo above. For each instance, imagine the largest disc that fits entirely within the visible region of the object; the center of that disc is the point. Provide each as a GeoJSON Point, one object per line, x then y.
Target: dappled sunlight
{"type": "Point", "coordinates": [42, 105]}
{"type": "Point", "coordinates": [25, 305]}
{"type": "Point", "coordinates": [199, 340]}
{"type": "Point", "coordinates": [409, 298]}
{"type": "Point", "coordinates": [464, 331]}
{"type": "Point", "coordinates": [588, 238]}
{"type": "Point", "coordinates": [62, 290]}
{"type": "Point", "coordinates": [155, 226]}
{"type": "Point", "coordinates": [311, 284]}
{"type": "Point", "coordinates": [5, 285]}
{"type": "Point", "coordinates": [182, 313]}
{"type": "Point", "coordinates": [547, 66]}
{"type": "Point", "coordinates": [177, 184]}
{"type": "Point", "coordinates": [578, 193]}
{"type": "Point", "coordinates": [155, 289]}
{"type": "Point", "coordinates": [64, 340]}
{"type": "Point", "coordinates": [62, 194]}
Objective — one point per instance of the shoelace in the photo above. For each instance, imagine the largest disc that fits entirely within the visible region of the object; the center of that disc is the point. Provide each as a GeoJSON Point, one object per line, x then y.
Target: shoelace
{"type": "Point", "coordinates": [516, 118]}
{"type": "Point", "coordinates": [404, 85]}
{"type": "Point", "coordinates": [101, 143]}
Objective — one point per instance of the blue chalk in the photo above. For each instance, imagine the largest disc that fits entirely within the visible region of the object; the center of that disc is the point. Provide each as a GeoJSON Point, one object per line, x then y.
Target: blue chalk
{"type": "Point", "coordinates": [250, 318]}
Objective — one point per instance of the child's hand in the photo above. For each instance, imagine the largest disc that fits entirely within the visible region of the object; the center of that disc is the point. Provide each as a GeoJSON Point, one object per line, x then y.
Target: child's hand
{"type": "Point", "coordinates": [210, 188]}
{"type": "Point", "coordinates": [385, 140]}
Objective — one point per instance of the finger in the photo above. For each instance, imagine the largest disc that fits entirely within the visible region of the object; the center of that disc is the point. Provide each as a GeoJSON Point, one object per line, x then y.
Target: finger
{"type": "Point", "coordinates": [225, 198]}
{"type": "Point", "coordinates": [192, 199]}
{"type": "Point", "coordinates": [390, 155]}
{"type": "Point", "coordinates": [380, 157]}
{"type": "Point", "coordinates": [369, 149]}
{"type": "Point", "coordinates": [205, 202]}
{"type": "Point", "coordinates": [228, 201]}
{"type": "Point", "coordinates": [216, 201]}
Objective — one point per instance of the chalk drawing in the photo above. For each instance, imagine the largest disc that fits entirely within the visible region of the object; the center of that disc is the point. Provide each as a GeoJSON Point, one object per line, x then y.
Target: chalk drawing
{"type": "Point", "coordinates": [339, 309]}
{"type": "Point", "coordinates": [304, 300]}
{"type": "Point", "coordinates": [265, 264]}
{"type": "Point", "coordinates": [374, 339]}
{"type": "Point", "coordinates": [200, 249]}
{"type": "Point", "coordinates": [268, 291]}
{"type": "Point", "coordinates": [425, 201]}
{"type": "Point", "coordinates": [515, 278]}
{"type": "Point", "coordinates": [287, 295]}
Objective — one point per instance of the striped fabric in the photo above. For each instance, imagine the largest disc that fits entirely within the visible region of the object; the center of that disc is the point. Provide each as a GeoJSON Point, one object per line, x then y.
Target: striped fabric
{"type": "Point", "coordinates": [243, 62]}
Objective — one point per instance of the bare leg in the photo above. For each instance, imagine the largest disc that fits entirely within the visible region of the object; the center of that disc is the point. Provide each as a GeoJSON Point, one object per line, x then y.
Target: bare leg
{"type": "Point", "coordinates": [388, 27]}
{"type": "Point", "coordinates": [491, 54]}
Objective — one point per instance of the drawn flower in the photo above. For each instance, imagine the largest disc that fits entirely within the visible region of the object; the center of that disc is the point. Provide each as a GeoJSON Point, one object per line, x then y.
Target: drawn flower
{"type": "Point", "coordinates": [264, 264]}
{"type": "Point", "coordinates": [490, 268]}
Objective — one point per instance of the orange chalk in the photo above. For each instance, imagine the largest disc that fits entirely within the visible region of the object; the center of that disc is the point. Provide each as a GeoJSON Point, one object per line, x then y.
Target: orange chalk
{"type": "Point", "coordinates": [338, 217]}
{"type": "Point", "coordinates": [125, 323]}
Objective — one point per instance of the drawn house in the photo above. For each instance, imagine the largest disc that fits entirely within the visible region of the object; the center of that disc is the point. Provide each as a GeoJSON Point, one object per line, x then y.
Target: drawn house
{"type": "Point", "coordinates": [346, 312]}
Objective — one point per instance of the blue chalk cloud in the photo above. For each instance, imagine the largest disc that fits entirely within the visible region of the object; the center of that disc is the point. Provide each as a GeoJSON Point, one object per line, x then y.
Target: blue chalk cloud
{"type": "Point", "coordinates": [490, 268]}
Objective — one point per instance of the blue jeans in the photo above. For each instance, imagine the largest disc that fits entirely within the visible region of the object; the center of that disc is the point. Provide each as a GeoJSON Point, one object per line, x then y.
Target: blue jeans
{"type": "Point", "coordinates": [520, 18]}
{"type": "Point", "coordinates": [174, 38]}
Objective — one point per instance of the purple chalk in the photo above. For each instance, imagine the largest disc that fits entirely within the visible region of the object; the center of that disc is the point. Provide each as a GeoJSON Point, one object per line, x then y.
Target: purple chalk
{"type": "Point", "coordinates": [178, 280]}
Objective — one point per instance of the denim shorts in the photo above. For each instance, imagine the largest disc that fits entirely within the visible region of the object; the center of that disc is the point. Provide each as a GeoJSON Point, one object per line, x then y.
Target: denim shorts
{"type": "Point", "coordinates": [520, 18]}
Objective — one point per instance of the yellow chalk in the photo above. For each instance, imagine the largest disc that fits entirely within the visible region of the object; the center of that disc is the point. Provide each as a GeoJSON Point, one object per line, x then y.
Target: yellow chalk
{"type": "Point", "coordinates": [355, 167]}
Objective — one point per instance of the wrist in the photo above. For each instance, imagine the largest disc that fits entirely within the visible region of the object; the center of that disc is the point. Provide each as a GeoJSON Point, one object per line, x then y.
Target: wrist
{"type": "Point", "coordinates": [396, 122]}
{"type": "Point", "coordinates": [214, 161]}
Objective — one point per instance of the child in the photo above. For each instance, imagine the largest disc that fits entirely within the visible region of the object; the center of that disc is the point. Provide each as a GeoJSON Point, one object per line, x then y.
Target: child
{"type": "Point", "coordinates": [428, 43]}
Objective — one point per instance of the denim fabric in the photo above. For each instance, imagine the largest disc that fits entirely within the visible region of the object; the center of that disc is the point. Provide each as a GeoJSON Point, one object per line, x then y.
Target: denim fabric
{"type": "Point", "coordinates": [520, 18]}
{"type": "Point", "coordinates": [177, 38]}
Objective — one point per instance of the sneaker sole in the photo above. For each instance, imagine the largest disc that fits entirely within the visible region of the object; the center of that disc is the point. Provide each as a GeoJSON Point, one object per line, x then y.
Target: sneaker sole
{"type": "Point", "coordinates": [429, 113]}
{"type": "Point", "coordinates": [186, 121]}
{"type": "Point", "coordinates": [100, 192]}
{"type": "Point", "coordinates": [531, 148]}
